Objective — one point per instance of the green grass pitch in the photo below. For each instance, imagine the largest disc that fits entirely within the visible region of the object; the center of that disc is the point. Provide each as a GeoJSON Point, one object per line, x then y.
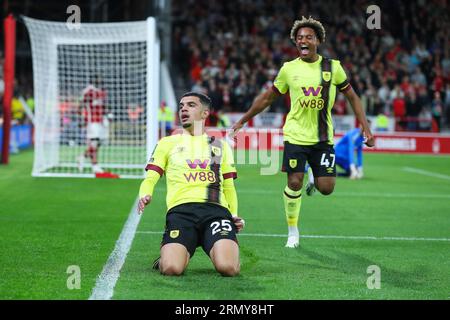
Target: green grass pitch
{"type": "Point", "coordinates": [49, 224]}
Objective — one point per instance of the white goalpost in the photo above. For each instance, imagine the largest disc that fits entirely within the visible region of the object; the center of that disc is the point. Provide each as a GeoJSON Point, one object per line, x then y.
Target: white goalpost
{"type": "Point", "coordinates": [96, 91]}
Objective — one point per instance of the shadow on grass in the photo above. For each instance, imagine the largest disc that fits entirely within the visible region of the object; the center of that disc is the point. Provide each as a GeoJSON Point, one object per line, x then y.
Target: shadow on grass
{"type": "Point", "coordinates": [354, 264]}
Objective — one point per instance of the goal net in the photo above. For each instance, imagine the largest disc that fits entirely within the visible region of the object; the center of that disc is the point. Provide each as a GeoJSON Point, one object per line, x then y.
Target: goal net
{"type": "Point", "coordinates": [96, 91]}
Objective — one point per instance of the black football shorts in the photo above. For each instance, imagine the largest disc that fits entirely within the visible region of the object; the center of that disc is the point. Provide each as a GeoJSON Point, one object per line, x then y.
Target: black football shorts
{"type": "Point", "coordinates": [198, 224]}
{"type": "Point", "coordinates": [321, 157]}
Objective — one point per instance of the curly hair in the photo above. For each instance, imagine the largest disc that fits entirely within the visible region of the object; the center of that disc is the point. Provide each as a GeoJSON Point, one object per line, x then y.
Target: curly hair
{"type": "Point", "coordinates": [316, 25]}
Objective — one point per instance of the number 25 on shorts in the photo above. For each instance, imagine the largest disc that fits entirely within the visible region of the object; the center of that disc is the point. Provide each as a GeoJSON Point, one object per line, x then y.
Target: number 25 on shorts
{"type": "Point", "coordinates": [224, 225]}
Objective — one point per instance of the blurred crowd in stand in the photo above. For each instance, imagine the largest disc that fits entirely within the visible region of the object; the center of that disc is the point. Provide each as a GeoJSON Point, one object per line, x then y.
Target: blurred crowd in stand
{"type": "Point", "coordinates": [231, 50]}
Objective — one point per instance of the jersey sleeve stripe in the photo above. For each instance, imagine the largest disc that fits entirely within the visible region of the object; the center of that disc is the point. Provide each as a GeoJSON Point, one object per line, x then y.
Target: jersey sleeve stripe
{"type": "Point", "coordinates": [346, 88]}
{"type": "Point", "coordinates": [154, 168]}
{"type": "Point", "coordinates": [343, 85]}
{"type": "Point", "coordinates": [229, 175]}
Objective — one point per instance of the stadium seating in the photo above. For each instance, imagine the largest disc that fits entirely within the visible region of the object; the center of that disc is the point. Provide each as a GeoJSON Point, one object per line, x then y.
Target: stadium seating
{"type": "Point", "coordinates": [232, 50]}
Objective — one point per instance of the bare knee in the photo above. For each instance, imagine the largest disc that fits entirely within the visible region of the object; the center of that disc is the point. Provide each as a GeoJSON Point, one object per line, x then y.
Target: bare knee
{"type": "Point", "coordinates": [174, 259]}
{"type": "Point", "coordinates": [295, 181]}
{"type": "Point", "coordinates": [227, 269]}
{"type": "Point", "coordinates": [171, 269]}
{"type": "Point", "coordinates": [325, 185]}
{"type": "Point", "coordinates": [225, 257]}
{"type": "Point", "coordinates": [294, 186]}
{"type": "Point", "coordinates": [326, 190]}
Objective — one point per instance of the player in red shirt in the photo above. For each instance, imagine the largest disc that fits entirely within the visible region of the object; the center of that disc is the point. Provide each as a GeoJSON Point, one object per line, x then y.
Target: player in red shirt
{"type": "Point", "coordinates": [93, 111]}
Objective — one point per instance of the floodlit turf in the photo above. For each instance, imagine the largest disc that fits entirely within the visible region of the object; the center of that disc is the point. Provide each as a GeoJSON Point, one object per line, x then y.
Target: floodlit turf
{"type": "Point", "coordinates": [49, 224]}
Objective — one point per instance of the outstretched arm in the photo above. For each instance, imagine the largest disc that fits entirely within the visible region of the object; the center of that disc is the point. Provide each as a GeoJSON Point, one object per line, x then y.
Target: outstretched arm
{"type": "Point", "coordinates": [231, 197]}
{"type": "Point", "coordinates": [155, 169]}
{"type": "Point", "coordinates": [355, 102]}
{"type": "Point", "coordinates": [262, 101]}
{"type": "Point", "coordinates": [146, 189]}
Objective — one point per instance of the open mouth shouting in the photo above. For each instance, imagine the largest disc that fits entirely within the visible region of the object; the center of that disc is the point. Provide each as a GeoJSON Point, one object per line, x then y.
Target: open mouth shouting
{"type": "Point", "coordinates": [304, 50]}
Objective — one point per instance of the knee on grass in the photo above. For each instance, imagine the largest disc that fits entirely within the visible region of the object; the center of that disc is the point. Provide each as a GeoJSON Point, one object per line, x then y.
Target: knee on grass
{"type": "Point", "coordinates": [171, 269]}
{"type": "Point", "coordinates": [228, 269]}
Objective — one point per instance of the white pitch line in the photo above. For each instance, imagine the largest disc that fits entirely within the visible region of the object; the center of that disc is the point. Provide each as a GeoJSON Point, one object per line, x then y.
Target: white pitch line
{"type": "Point", "coordinates": [362, 194]}
{"type": "Point", "coordinates": [106, 281]}
{"type": "Point", "coordinates": [427, 173]}
{"type": "Point", "coordinates": [327, 237]}
{"type": "Point", "coordinates": [392, 195]}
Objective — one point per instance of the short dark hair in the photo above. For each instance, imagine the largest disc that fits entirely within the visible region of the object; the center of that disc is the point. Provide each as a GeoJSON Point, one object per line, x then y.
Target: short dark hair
{"type": "Point", "coordinates": [204, 99]}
